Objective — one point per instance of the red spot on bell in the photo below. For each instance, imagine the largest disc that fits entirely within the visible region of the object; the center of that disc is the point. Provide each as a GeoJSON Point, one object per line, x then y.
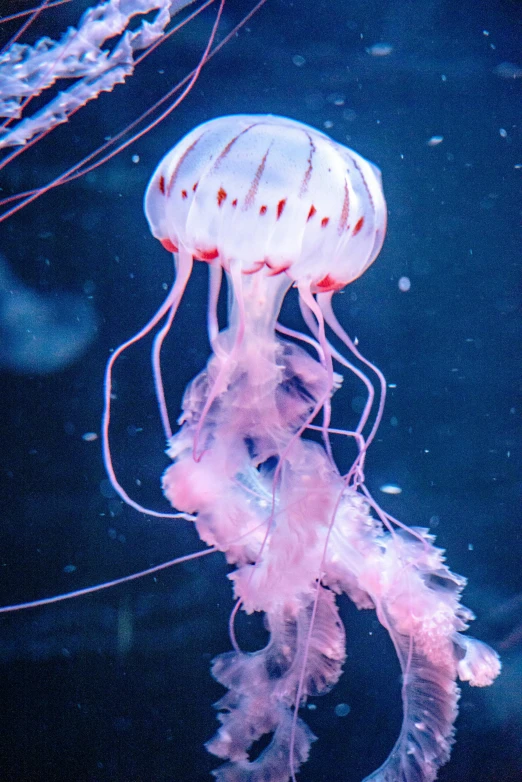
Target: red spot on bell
{"type": "Point", "coordinates": [169, 246]}
{"type": "Point", "coordinates": [206, 255]}
{"type": "Point", "coordinates": [325, 221]}
{"type": "Point", "coordinates": [256, 266]}
{"type": "Point", "coordinates": [184, 194]}
{"type": "Point", "coordinates": [327, 284]}
{"type": "Point", "coordinates": [358, 225]}
{"type": "Point", "coordinates": [262, 211]}
{"type": "Point", "coordinates": [234, 202]}
{"type": "Point", "coordinates": [221, 196]}
{"type": "Point", "coordinates": [311, 213]}
{"type": "Point", "coordinates": [280, 207]}
{"type": "Point", "coordinates": [275, 270]}
{"type": "Point", "coordinates": [161, 184]}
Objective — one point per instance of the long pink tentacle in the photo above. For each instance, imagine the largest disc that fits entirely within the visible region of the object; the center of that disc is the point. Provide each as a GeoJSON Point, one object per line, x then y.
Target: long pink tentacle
{"type": "Point", "coordinates": [70, 175]}
{"type": "Point", "coordinates": [60, 180]}
{"type": "Point", "coordinates": [20, 14]}
{"type": "Point", "coordinates": [171, 302]}
{"type": "Point", "coordinates": [228, 360]}
{"type": "Point", "coordinates": [325, 302]}
{"type": "Point", "coordinates": [107, 584]}
{"type": "Point", "coordinates": [33, 14]}
{"type": "Point", "coordinates": [356, 371]}
{"type": "Point", "coordinates": [306, 298]}
{"type": "Point", "coordinates": [214, 287]}
{"type": "Point", "coordinates": [183, 272]}
{"type": "Point", "coordinates": [76, 171]}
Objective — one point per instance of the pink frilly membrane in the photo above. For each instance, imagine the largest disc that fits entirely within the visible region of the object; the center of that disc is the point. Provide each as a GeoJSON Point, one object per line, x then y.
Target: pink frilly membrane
{"type": "Point", "coordinates": [274, 202]}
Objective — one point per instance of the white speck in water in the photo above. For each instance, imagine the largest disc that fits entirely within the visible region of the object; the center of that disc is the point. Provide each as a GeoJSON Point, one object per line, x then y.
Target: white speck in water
{"type": "Point", "coordinates": [390, 488]}
{"type": "Point", "coordinates": [404, 284]}
{"type": "Point", "coordinates": [434, 141]}
{"type": "Point", "coordinates": [135, 158]}
{"type": "Point", "coordinates": [503, 132]}
{"type": "Point", "coordinates": [342, 710]}
{"type": "Point", "coordinates": [298, 60]}
{"type": "Point", "coordinates": [89, 437]}
{"type": "Point", "coordinates": [336, 98]}
{"type": "Point", "coordinates": [380, 49]}
{"type": "Point", "coordinates": [470, 546]}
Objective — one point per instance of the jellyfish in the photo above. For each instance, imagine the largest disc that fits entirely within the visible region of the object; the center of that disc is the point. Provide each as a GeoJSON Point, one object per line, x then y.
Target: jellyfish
{"type": "Point", "coordinates": [272, 204]}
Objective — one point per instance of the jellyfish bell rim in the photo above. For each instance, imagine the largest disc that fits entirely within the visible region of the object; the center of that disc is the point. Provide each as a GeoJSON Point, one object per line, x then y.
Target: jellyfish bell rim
{"type": "Point", "coordinates": [315, 211]}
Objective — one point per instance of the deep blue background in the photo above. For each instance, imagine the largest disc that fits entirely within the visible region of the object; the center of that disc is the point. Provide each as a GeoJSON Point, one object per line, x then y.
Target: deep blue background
{"type": "Point", "coordinates": [116, 687]}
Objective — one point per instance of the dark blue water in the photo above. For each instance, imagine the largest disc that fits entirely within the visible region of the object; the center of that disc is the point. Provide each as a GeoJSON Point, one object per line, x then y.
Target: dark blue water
{"type": "Point", "coordinates": [116, 687]}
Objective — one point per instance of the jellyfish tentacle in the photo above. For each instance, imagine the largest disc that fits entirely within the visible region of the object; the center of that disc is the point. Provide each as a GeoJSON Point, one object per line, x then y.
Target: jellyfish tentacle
{"type": "Point", "coordinates": [170, 305]}
{"type": "Point", "coordinates": [307, 300]}
{"type": "Point", "coordinates": [356, 471]}
{"type": "Point", "coordinates": [228, 360]}
{"type": "Point", "coordinates": [214, 288]}
{"type": "Point", "coordinates": [156, 369]}
{"type": "Point", "coordinates": [33, 14]}
{"type": "Point", "coordinates": [106, 584]}
{"type": "Point", "coordinates": [325, 302]}
{"type": "Point", "coordinates": [74, 171]}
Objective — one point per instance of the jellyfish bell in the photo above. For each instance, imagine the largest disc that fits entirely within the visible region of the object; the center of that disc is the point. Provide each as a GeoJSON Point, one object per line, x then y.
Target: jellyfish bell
{"type": "Point", "coordinates": [271, 194]}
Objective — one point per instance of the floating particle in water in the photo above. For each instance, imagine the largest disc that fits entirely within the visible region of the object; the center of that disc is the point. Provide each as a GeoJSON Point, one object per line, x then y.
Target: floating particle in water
{"type": "Point", "coordinates": [342, 710]}
{"type": "Point", "coordinates": [380, 49]}
{"type": "Point", "coordinates": [404, 284]}
{"type": "Point", "coordinates": [390, 488]}
{"type": "Point", "coordinates": [434, 141]}
{"type": "Point", "coordinates": [298, 60]}
{"type": "Point", "coordinates": [89, 437]}
{"type": "Point", "coordinates": [337, 98]}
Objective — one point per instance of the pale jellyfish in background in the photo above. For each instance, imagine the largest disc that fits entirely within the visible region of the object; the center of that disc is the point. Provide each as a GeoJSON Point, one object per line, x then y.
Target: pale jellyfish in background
{"type": "Point", "coordinates": [41, 332]}
{"type": "Point", "coordinates": [276, 204]}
